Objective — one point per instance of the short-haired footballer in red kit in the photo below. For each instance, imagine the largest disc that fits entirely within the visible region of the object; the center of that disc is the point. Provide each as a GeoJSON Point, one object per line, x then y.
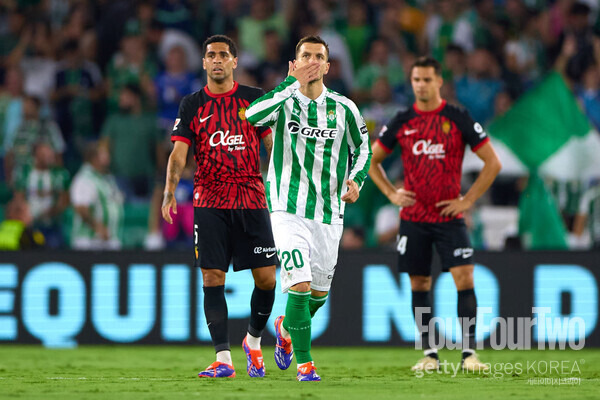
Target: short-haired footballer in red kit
{"type": "Point", "coordinates": [231, 220]}
{"type": "Point", "coordinates": [432, 136]}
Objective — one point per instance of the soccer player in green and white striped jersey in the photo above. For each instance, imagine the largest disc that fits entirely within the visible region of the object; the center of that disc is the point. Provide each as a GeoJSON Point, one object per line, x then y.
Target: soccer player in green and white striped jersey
{"type": "Point", "coordinates": [316, 133]}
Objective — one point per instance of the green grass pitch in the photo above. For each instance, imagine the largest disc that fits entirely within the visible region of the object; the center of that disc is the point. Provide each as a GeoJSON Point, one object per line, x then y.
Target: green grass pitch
{"type": "Point", "coordinates": [170, 372]}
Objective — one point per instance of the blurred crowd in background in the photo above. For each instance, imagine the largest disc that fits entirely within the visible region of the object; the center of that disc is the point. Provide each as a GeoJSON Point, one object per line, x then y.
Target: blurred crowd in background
{"type": "Point", "coordinates": [90, 90]}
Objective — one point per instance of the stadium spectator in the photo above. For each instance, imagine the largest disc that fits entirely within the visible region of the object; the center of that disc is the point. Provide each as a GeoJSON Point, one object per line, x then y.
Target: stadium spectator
{"type": "Point", "coordinates": [34, 128]}
{"type": "Point", "coordinates": [134, 140]}
{"type": "Point", "coordinates": [588, 91]}
{"type": "Point", "coordinates": [175, 14]}
{"type": "Point", "coordinates": [387, 225]}
{"type": "Point", "coordinates": [357, 32]}
{"type": "Point", "coordinates": [167, 38]}
{"type": "Point", "coordinates": [455, 63]}
{"type": "Point", "coordinates": [172, 84]}
{"type": "Point", "coordinates": [34, 55]}
{"type": "Point", "coordinates": [11, 110]}
{"type": "Point", "coordinates": [130, 66]}
{"type": "Point", "coordinates": [78, 88]}
{"type": "Point", "coordinates": [45, 187]}
{"type": "Point", "coordinates": [478, 89]}
{"type": "Point", "coordinates": [272, 69]}
{"type": "Point", "coordinates": [381, 108]}
{"type": "Point", "coordinates": [263, 17]}
{"type": "Point", "coordinates": [10, 36]}
{"type": "Point", "coordinates": [586, 227]}
{"type": "Point", "coordinates": [448, 26]}
{"type": "Point", "coordinates": [525, 54]}
{"type": "Point", "coordinates": [98, 203]}
{"type": "Point", "coordinates": [16, 232]}
{"type": "Point", "coordinates": [382, 62]}
{"type": "Point", "coordinates": [353, 238]}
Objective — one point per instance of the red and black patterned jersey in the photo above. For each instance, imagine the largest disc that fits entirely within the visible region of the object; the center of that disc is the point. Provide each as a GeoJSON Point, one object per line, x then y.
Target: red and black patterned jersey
{"type": "Point", "coordinates": [226, 147]}
{"type": "Point", "coordinates": [432, 146]}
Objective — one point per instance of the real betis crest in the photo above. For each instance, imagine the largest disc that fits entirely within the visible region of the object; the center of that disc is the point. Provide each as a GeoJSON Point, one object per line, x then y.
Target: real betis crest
{"type": "Point", "coordinates": [331, 115]}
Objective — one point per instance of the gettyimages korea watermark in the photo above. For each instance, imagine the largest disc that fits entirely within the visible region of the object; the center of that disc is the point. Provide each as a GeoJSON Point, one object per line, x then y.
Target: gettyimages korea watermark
{"type": "Point", "coordinates": [564, 372]}
{"type": "Point", "coordinates": [512, 333]}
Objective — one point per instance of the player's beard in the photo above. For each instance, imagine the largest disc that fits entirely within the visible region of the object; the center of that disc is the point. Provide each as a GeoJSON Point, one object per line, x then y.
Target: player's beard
{"type": "Point", "coordinates": [221, 78]}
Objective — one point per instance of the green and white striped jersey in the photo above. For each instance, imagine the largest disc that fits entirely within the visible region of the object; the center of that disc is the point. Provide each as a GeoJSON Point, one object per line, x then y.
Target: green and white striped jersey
{"type": "Point", "coordinates": [42, 189]}
{"type": "Point", "coordinates": [313, 141]}
{"type": "Point", "coordinates": [101, 194]}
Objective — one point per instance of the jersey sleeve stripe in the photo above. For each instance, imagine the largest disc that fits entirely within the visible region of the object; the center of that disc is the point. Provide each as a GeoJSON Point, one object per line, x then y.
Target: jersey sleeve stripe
{"type": "Point", "coordinates": [181, 139]}
{"type": "Point", "coordinates": [479, 145]}
{"type": "Point", "coordinates": [266, 132]}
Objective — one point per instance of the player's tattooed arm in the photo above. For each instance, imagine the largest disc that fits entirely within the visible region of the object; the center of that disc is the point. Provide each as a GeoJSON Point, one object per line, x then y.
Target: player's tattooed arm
{"type": "Point", "coordinates": [175, 168]}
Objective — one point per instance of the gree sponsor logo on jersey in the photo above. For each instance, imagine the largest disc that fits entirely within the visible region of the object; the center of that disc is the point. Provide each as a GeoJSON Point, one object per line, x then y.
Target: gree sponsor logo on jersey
{"type": "Point", "coordinates": [433, 150]}
{"type": "Point", "coordinates": [310, 132]}
{"type": "Point", "coordinates": [233, 142]}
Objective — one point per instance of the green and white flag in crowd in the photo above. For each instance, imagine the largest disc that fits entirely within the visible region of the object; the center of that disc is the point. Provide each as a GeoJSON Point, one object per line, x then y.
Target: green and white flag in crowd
{"type": "Point", "coordinates": [548, 132]}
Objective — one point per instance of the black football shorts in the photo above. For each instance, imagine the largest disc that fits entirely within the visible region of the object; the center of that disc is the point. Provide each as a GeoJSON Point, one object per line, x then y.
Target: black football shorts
{"type": "Point", "coordinates": [241, 236]}
{"type": "Point", "coordinates": [415, 246]}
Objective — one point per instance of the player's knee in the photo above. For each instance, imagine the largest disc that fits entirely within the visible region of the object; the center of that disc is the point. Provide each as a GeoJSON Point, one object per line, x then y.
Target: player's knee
{"type": "Point", "coordinates": [420, 283]}
{"type": "Point", "coordinates": [265, 282]}
{"type": "Point", "coordinates": [301, 287]}
{"type": "Point", "coordinates": [463, 278]}
{"type": "Point", "coordinates": [265, 277]}
{"type": "Point", "coordinates": [213, 277]}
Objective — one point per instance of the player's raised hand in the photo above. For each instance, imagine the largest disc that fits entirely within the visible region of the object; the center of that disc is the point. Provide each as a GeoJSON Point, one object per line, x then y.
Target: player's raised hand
{"type": "Point", "coordinates": [168, 202]}
{"type": "Point", "coordinates": [306, 73]}
{"type": "Point", "coordinates": [451, 208]}
{"type": "Point", "coordinates": [352, 194]}
{"type": "Point", "coordinates": [403, 198]}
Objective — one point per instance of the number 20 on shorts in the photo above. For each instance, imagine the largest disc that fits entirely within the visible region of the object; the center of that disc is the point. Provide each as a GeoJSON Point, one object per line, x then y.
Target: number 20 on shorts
{"type": "Point", "coordinates": [295, 256]}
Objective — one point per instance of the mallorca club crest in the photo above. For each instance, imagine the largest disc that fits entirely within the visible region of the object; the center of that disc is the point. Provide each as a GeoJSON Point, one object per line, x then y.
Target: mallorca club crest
{"type": "Point", "coordinates": [331, 115]}
{"type": "Point", "coordinates": [242, 113]}
{"type": "Point", "coordinates": [446, 127]}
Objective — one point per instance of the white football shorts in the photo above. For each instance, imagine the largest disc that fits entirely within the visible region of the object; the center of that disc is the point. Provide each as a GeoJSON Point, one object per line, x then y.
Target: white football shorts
{"type": "Point", "coordinates": [307, 249]}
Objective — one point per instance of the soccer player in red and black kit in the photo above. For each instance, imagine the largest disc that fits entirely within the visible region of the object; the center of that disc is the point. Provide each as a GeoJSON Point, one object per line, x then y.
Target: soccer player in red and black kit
{"type": "Point", "coordinates": [432, 136]}
{"type": "Point", "coordinates": [231, 220]}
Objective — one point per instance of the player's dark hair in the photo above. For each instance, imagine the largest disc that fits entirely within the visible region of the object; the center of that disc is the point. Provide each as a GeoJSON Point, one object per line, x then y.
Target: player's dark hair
{"type": "Point", "coordinates": [220, 39]}
{"type": "Point", "coordinates": [313, 39]}
{"type": "Point", "coordinates": [427, 61]}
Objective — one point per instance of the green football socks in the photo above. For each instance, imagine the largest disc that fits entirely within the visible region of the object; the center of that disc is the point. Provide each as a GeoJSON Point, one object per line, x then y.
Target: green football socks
{"type": "Point", "coordinates": [315, 303]}
{"type": "Point", "coordinates": [297, 322]}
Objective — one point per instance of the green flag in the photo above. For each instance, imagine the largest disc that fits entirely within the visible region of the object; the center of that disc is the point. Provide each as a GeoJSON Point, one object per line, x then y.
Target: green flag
{"type": "Point", "coordinates": [547, 131]}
